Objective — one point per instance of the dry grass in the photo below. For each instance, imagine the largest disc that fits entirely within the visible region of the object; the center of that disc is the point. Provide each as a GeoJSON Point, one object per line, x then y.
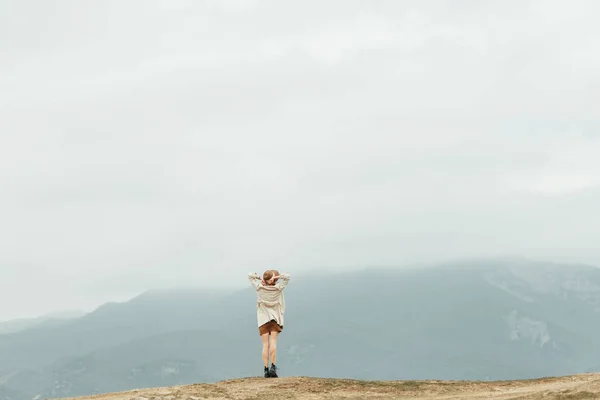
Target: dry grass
{"type": "Point", "coordinates": [578, 387]}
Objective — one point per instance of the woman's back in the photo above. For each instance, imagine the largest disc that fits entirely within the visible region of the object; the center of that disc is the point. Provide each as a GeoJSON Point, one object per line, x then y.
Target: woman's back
{"type": "Point", "coordinates": [270, 307]}
{"type": "Point", "coordinates": [270, 299]}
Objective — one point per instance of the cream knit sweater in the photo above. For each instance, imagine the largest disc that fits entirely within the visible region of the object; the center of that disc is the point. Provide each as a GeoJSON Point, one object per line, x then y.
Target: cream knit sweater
{"type": "Point", "coordinates": [270, 302]}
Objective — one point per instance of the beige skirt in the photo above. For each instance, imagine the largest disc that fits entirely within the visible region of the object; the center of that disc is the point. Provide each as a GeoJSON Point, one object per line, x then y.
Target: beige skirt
{"type": "Point", "coordinates": [271, 326]}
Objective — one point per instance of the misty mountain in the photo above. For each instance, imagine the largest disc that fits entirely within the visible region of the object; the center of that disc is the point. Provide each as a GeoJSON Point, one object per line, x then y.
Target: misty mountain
{"type": "Point", "coordinates": [17, 325]}
{"type": "Point", "coordinates": [151, 313]}
{"type": "Point", "coordinates": [499, 319]}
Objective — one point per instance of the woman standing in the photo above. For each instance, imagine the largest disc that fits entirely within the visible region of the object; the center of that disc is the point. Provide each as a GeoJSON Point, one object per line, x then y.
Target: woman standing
{"type": "Point", "coordinates": [270, 308]}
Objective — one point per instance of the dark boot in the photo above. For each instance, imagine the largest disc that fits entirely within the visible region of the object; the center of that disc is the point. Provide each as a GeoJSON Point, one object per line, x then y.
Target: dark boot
{"type": "Point", "coordinates": [267, 372]}
{"type": "Point", "coordinates": [273, 371]}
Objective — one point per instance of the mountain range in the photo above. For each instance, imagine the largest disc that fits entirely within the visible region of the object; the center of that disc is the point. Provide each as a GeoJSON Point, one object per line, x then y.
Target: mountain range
{"type": "Point", "coordinates": [18, 325]}
{"type": "Point", "coordinates": [477, 320]}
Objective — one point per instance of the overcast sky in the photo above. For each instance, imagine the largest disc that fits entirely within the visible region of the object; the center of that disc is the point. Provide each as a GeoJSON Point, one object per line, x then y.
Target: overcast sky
{"type": "Point", "coordinates": [146, 144]}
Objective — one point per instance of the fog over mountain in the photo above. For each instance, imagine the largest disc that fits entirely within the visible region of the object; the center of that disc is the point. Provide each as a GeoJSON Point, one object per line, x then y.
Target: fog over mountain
{"type": "Point", "coordinates": [484, 320]}
{"type": "Point", "coordinates": [18, 325]}
{"type": "Point", "coordinates": [152, 144]}
{"type": "Point", "coordinates": [404, 161]}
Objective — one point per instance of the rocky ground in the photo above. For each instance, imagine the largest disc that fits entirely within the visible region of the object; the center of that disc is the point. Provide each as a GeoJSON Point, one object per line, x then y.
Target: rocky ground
{"type": "Point", "coordinates": [579, 387]}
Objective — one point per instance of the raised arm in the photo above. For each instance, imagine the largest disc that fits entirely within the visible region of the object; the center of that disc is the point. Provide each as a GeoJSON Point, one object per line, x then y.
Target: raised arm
{"type": "Point", "coordinates": [283, 280]}
{"type": "Point", "coordinates": [254, 279]}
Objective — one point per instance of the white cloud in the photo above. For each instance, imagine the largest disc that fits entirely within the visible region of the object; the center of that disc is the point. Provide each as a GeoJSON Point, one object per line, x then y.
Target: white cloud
{"type": "Point", "coordinates": [572, 165]}
{"type": "Point", "coordinates": [150, 144]}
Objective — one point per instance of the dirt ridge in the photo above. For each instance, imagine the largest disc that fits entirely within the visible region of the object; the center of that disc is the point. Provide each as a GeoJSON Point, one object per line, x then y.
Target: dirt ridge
{"type": "Point", "coordinates": [575, 387]}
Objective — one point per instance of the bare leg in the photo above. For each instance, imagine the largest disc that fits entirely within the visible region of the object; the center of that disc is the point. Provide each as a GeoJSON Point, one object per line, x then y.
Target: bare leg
{"type": "Point", "coordinates": [265, 349]}
{"type": "Point", "coordinates": [273, 346]}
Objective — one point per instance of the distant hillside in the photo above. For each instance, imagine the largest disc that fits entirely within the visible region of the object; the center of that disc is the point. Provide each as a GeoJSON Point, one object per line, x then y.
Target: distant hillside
{"type": "Point", "coordinates": [486, 320]}
{"type": "Point", "coordinates": [582, 387]}
{"type": "Point", "coordinates": [19, 325]}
